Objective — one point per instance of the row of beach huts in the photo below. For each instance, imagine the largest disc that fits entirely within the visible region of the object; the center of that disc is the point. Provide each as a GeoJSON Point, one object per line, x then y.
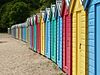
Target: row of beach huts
{"type": "Point", "coordinates": [67, 33]}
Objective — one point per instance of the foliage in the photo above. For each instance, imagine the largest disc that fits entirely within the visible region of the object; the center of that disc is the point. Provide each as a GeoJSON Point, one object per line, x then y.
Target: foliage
{"type": "Point", "coordinates": [60, 74]}
{"type": "Point", "coordinates": [17, 11]}
{"type": "Point", "coordinates": [54, 66]}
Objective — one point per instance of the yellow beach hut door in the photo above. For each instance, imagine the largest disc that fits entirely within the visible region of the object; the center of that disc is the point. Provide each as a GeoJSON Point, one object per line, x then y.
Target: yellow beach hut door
{"type": "Point", "coordinates": [78, 43]}
{"type": "Point", "coordinates": [79, 55]}
{"type": "Point", "coordinates": [81, 43]}
{"type": "Point", "coordinates": [42, 33]}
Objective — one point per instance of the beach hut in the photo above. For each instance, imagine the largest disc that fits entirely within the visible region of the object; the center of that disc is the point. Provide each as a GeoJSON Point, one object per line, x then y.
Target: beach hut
{"type": "Point", "coordinates": [24, 31]}
{"type": "Point", "coordinates": [45, 16]}
{"type": "Point", "coordinates": [18, 32]}
{"type": "Point", "coordinates": [13, 31]}
{"type": "Point", "coordinates": [42, 32]}
{"type": "Point", "coordinates": [19, 27]}
{"type": "Point", "coordinates": [9, 31]}
{"type": "Point", "coordinates": [59, 32]}
{"type": "Point", "coordinates": [79, 38]}
{"type": "Point", "coordinates": [53, 33]}
{"type": "Point", "coordinates": [31, 33]}
{"type": "Point", "coordinates": [38, 40]}
{"type": "Point", "coordinates": [47, 33]}
{"type": "Point", "coordinates": [34, 32]}
{"type": "Point", "coordinates": [67, 39]}
{"type": "Point", "coordinates": [16, 27]}
{"type": "Point", "coordinates": [21, 32]}
{"type": "Point", "coordinates": [27, 31]}
{"type": "Point", "coordinates": [93, 35]}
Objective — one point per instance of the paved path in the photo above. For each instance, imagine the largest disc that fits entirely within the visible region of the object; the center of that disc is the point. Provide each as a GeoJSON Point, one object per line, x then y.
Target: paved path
{"type": "Point", "coordinates": [17, 59]}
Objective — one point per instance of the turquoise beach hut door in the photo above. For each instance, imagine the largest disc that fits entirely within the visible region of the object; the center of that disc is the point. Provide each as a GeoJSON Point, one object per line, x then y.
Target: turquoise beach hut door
{"type": "Point", "coordinates": [53, 34]}
{"type": "Point", "coordinates": [34, 17]}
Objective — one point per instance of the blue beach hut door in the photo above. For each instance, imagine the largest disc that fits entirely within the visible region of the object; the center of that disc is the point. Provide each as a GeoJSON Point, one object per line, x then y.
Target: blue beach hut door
{"type": "Point", "coordinates": [98, 39]}
{"type": "Point", "coordinates": [47, 36]}
{"type": "Point", "coordinates": [93, 37]}
{"type": "Point", "coordinates": [59, 32]}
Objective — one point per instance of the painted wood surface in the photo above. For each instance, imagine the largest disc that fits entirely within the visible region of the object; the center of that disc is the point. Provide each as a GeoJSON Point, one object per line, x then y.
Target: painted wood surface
{"type": "Point", "coordinates": [67, 38]}
{"type": "Point", "coordinates": [16, 32]}
{"type": "Point", "coordinates": [93, 37]}
{"type": "Point", "coordinates": [47, 33]}
{"type": "Point", "coordinates": [35, 32]}
{"type": "Point", "coordinates": [42, 33]}
{"type": "Point", "coordinates": [79, 39]}
{"type": "Point", "coordinates": [19, 26]}
{"type": "Point", "coordinates": [27, 31]}
{"type": "Point", "coordinates": [22, 33]}
{"type": "Point", "coordinates": [53, 35]}
{"type": "Point", "coordinates": [31, 34]}
{"type": "Point", "coordinates": [59, 32]}
{"type": "Point", "coordinates": [38, 33]}
{"type": "Point", "coordinates": [98, 39]}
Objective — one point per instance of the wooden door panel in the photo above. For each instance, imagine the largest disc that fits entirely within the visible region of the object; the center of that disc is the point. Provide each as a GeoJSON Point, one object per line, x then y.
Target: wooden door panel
{"type": "Point", "coordinates": [74, 44]}
{"type": "Point", "coordinates": [98, 39]}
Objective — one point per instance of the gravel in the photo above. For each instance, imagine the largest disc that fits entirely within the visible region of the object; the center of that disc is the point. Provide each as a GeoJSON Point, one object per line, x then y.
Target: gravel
{"type": "Point", "coordinates": [17, 59]}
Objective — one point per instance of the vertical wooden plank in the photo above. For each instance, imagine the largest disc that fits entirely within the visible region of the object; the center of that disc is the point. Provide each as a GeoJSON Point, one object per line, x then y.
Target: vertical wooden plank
{"type": "Point", "coordinates": [35, 36]}
{"type": "Point", "coordinates": [98, 39]}
{"type": "Point", "coordinates": [46, 38]}
{"type": "Point", "coordinates": [49, 41]}
{"type": "Point", "coordinates": [74, 44]}
{"type": "Point", "coordinates": [91, 40]}
{"type": "Point", "coordinates": [41, 36]}
{"type": "Point", "coordinates": [68, 44]}
{"type": "Point", "coordinates": [64, 42]}
{"type": "Point", "coordinates": [59, 41]}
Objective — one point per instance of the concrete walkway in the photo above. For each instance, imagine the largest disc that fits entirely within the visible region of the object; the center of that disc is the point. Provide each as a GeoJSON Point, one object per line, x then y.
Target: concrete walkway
{"type": "Point", "coordinates": [17, 59]}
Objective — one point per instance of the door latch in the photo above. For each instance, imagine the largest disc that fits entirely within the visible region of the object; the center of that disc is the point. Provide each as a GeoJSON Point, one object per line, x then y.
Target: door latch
{"type": "Point", "coordinates": [80, 46]}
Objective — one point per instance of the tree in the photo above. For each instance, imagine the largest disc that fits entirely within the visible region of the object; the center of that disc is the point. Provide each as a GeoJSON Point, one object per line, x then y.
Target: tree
{"type": "Point", "coordinates": [17, 11]}
{"type": "Point", "coordinates": [13, 13]}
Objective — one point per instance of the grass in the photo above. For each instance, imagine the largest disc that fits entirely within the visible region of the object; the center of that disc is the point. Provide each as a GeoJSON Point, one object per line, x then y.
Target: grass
{"type": "Point", "coordinates": [60, 74]}
{"type": "Point", "coordinates": [54, 66]}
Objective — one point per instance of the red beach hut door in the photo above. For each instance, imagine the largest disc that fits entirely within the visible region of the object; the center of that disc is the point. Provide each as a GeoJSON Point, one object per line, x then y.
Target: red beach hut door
{"type": "Point", "coordinates": [38, 40]}
{"type": "Point", "coordinates": [68, 44]}
{"type": "Point", "coordinates": [67, 41]}
{"type": "Point", "coordinates": [64, 43]}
